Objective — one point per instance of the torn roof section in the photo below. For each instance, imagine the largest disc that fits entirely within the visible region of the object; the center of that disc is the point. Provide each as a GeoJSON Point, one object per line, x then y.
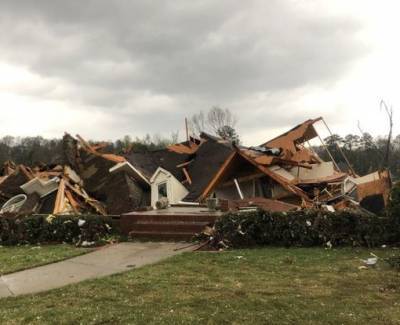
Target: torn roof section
{"type": "Point", "coordinates": [208, 159]}
{"type": "Point", "coordinates": [304, 179]}
{"type": "Point", "coordinates": [148, 162]}
{"type": "Point", "coordinates": [298, 135]}
{"type": "Point", "coordinates": [243, 160]}
{"type": "Point", "coordinates": [193, 163]}
{"type": "Point", "coordinates": [201, 165]}
{"type": "Point", "coordinates": [292, 142]}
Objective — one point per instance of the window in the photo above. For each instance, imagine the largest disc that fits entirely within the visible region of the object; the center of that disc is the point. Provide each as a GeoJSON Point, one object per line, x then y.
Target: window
{"type": "Point", "coordinates": [162, 190]}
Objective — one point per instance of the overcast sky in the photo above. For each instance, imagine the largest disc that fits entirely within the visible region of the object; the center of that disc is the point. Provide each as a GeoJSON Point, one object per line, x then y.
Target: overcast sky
{"type": "Point", "coordinates": [107, 68]}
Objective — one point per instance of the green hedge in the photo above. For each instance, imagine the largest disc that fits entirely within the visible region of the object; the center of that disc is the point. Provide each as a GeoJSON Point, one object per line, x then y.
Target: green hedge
{"type": "Point", "coordinates": [53, 229]}
{"type": "Point", "coordinates": [304, 228]}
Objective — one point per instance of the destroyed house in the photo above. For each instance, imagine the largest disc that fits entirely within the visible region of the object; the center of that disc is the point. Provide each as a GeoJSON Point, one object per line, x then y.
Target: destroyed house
{"type": "Point", "coordinates": [107, 177]}
{"type": "Point", "coordinates": [287, 169]}
{"type": "Point", "coordinates": [282, 174]}
{"type": "Point", "coordinates": [181, 172]}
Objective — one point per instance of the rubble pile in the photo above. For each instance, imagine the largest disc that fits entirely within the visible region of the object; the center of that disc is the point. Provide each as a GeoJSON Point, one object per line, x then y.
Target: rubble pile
{"type": "Point", "coordinates": [46, 191]}
{"type": "Point", "coordinates": [59, 189]}
{"type": "Point", "coordinates": [283, 174]}
{"type": "Point", "coordinates": [288, 170]}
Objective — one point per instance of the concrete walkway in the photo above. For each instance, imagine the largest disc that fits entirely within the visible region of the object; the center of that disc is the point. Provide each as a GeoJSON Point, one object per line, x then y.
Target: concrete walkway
{"type": "Point", "coordinates": [105, 261]}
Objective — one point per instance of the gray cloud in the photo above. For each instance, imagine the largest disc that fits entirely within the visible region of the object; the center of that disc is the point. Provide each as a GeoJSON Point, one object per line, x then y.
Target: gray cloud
{"type": "Point", "coordinates": [140, 59]}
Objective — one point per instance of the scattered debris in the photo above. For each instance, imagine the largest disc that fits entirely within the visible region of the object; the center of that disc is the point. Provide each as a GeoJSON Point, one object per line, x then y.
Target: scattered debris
{"type": "Point", "coordinates": [372, 261]}
{"type": "Point", "coordinates": [87, 243]}
{"type": "Point", "coordinates": [288, 174]}
{"type": "Point", "coordinates": [81, 222]}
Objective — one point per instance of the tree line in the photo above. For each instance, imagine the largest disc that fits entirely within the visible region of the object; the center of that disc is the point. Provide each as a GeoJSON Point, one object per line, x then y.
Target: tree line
{"type": "Point", "coordinates": [37, 150]}
{"type": "Point", "coordinates": [365, 153]}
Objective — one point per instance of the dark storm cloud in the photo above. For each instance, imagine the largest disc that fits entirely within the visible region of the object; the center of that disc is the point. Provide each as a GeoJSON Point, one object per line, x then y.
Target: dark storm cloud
{"type": "Point", "coordinates": [139, 57]}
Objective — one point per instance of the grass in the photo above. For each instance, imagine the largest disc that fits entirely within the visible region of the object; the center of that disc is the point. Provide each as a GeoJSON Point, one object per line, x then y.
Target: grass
{"type": "Point", "coordinates": [17, 258]}
{"type": "Point", "coordinates": [260, 286]}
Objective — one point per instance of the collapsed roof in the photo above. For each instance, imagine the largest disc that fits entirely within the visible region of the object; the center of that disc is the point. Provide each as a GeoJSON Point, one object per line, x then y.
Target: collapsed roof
{"type": "Point", "coordinates": [54, 191]}
{"type": "Point", "coordinates": [282, 173]}
{"type": "Point", "coordinates": [286, 169]}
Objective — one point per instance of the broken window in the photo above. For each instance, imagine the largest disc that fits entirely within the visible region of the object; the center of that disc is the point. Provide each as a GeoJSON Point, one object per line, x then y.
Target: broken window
{"type": "Point", "coordinates": [162, 190]}
{"type": "Point", "coordinates": [265, 187]}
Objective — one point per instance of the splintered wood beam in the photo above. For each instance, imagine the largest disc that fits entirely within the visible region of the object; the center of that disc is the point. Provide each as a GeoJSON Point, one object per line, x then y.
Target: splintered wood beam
{"type": "Point", "coordinates": [217, 177]}
{"type": "Point", "coordinates": [60, 198]}
{"type": "Point", "coordinates": [72, 201]}
{"type": "Point", "coordinates": [76, 191]}
{"type": "Point", "coordinates": [86, 145]}
{"type": "Point", "coordinates": [279, 179]}
{"type": "Point", "coordinates": [26, 172]}
{"type": "Point", "coordinates": [99, 146]}
{"type": "Point", "coordinates": [184, 164]}
{"type": "Point", "coordinates": [93, 203]}
{"type": "Point", "coordinates": [187, 176]}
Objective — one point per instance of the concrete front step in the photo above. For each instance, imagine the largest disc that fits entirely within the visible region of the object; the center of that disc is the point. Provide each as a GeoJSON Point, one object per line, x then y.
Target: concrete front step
{"type": "Point", "coordinates": [163, 225]}
{"type": "Point", "coordinates": [191, 227]}
{"type": "Point", "coordinates": [169, 217]}
{"type": "Point", "coordinates": [158, 235]}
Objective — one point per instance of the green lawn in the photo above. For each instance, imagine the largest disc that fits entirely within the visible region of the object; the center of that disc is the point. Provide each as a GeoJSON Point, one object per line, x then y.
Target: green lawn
{"type": "Point", "coordinates": [260, 286]}
{"type": "Point", "coordinates": [18, 258]}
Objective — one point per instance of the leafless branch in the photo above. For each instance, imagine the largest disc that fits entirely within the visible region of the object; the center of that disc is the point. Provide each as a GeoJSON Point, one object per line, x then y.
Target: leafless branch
{"type": "Point", "coordinates": [389, 112]}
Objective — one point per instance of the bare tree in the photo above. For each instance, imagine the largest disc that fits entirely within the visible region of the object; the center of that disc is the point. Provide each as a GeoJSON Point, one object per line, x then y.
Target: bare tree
{"type": "Point", "coordinates": [198, 122]}
{"type": "Point", "coordinates": [389, 112]}
{"type": "Point", "coordinates": [217, 118]}
{"type": "Point", "coordinates": [214, 121]}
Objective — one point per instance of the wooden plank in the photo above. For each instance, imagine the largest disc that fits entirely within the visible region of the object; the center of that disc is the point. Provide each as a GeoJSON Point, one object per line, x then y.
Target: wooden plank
{"type": "Point", "coordinates": [60, 198]}
{"type": "Point", "coordinates": [184, 164]}
{"type": "Point", "coordinates": [187, 176]}
{"type": "Point", "coordinates": [86, 145]}
{"type": "Point", "coordinates": [217, 177]}
{"type": "Point", "coordinates": [88, 200]}
{"type": "Point", "coordinates": [72, 201]}
{"type": "Point", "coordinates": [26, 171]}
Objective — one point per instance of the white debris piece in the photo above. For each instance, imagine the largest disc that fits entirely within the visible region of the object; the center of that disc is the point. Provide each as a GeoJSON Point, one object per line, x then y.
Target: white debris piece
{"type": "Point", "coordinates": [87, 243]}
{"type": "Point", "coordinates": [371, 261]}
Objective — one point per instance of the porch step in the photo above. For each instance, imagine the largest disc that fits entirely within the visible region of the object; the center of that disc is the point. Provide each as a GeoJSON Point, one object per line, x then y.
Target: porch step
{"type": "Point", "coordinates": [159, 226]}
{"type": "Point", "coordinates": [156, 235]}
{"type": "Point", "coordinates": [173, 218]}
{"type": "Point", "coordinates": [189, 227]}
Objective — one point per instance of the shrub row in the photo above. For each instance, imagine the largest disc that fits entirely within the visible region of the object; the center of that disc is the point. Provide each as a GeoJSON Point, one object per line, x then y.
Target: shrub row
{"type": "Point", "coordinates": [305, 228]}
{"type": "Point", "coordinates": [53, 229]}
